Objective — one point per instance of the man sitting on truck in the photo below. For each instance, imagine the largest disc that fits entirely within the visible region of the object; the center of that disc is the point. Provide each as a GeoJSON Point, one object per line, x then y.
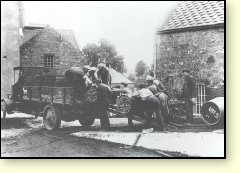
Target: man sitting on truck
{"type": "Point", "coordinates": [93, 74]}
{"type": "Point", "coordinates": [103, 73]}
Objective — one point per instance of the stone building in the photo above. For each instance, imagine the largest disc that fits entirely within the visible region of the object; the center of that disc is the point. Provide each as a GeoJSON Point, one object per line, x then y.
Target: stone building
{"type": "Point", "coordinates": [193, 37]}
{"type": "Point", "coordinates": [12, 21]}
{"type": "Point", "coordinates": [44, 46]}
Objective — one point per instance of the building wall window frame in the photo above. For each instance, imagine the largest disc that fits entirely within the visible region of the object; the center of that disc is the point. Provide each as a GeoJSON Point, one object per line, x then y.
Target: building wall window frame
{"type": "Point", "coordinates": [49, 60]}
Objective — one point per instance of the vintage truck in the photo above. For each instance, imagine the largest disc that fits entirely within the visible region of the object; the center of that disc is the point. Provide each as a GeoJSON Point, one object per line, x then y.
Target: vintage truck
{"type": "Point", "coordinates": [41, 92]}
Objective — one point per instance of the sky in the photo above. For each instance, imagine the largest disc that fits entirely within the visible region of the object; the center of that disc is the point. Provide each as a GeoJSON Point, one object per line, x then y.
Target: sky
{"type": "Point", "coordinates": [130, 26]}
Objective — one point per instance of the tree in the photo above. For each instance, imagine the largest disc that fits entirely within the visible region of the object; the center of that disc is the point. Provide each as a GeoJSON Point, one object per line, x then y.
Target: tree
{"type": "Point", "coordinates": [91, 53]}
{"type": "Point", "coordinates": [141, 68]}
{"type": "Point", "coordinates": [104, 51]}
{"type": "Point", "coordinates": [117, 63]}
{"type": "Point", "coordinates": [132, 77]}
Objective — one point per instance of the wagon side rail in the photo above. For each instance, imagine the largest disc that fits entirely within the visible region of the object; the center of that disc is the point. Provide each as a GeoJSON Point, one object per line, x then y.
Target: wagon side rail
{"type": "Point", "coordinates": [48, 94]}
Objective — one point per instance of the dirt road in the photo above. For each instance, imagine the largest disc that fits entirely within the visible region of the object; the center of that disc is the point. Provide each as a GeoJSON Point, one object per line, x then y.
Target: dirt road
{"type": "Point", "coordinates": [24, 136]}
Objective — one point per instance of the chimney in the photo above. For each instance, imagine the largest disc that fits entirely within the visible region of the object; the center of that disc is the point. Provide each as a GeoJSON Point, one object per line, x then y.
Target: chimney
{"type": "Point", "coordinates": [21, 14]}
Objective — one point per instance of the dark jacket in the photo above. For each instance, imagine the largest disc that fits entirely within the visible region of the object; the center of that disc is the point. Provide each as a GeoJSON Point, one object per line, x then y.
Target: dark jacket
{"type": "Point", "coordinates": [105, 76]}
{"type": "Point", "coordinates": [189, 87]}
{"type": "Point", "coordinates": [162, 88]}
{"type": "Point", "coordinates": [103, 94]}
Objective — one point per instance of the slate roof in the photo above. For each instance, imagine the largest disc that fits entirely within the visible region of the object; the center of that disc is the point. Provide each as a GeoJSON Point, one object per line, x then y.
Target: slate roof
{"type": "Point", "coordinates": [27, 35]}
{"type": "Point", "coordinates": [117, 77]}
{"type": "Point", "coordinates": [68, 35]}
{"type": "Point", "coordinates": [193, 14]}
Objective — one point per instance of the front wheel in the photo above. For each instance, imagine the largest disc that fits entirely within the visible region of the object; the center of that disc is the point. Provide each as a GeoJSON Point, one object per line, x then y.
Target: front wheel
{"type": "Point", "coordinates": [51, 117]}
{"type": "Point", "coordinates": [86, 120]}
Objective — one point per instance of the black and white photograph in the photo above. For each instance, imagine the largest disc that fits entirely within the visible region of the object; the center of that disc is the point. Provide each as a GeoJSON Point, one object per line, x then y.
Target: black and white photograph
{"type": "Point", "coordinates": [113, 79]}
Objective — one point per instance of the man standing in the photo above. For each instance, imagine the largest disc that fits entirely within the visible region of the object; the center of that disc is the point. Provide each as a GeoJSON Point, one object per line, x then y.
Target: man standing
{"type": "Point", "coordinates": [189, 93]}
{"type": "Point", "coordinates": [102, 103]}
{"type": "Point", "coordinates": [103, 73]}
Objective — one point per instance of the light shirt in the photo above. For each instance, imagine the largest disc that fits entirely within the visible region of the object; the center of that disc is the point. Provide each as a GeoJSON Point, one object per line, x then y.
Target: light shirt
{"type": "Point", "coordinates": [145, 93]}
{"type": "Point", "coordinates": [87, 80]}
{"type": "Point", "coordinates": [153, 88]}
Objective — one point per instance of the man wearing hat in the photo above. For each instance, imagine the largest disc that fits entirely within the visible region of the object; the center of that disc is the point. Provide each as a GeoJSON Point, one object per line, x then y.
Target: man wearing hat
{"type": "Point", "coordinates": [86, 69]}
{"type": "Point", "coordinates": [103, 73]}
{"type": "Point", "coordinates": [88, 82]}
{"type": "Point", "coordinates": [189, 93]}
{"type": "Point", "coordinates": [154, 87]}
{"type": "Point", "coordinates": [93, 74]}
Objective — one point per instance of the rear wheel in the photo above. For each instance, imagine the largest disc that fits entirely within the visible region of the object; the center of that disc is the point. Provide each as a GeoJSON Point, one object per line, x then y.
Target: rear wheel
{"type": "Point", "coordinates": [4, 108]}
{"type": "Point", "coordinates": [51, 117]}
{"type": "Point", "coordinates": [86, 120]}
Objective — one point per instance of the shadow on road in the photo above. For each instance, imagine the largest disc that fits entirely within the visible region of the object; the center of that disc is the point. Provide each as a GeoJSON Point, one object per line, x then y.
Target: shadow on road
{"type": "Point", "coordinates": [16, 123]}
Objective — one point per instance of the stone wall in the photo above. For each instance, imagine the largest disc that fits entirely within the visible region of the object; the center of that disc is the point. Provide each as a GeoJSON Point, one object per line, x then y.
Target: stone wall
{"type": "Point", "coordinates": [201, 51]}
{"type": "Point", "coordinates": [50, 42]}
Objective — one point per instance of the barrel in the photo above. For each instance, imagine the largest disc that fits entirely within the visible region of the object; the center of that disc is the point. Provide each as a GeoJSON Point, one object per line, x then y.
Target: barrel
{"type": "Point", "coordinates": [213, 111]}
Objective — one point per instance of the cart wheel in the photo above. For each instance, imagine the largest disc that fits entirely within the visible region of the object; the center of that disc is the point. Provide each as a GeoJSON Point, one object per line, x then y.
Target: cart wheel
{"type": "Point", "coordinates": [4, 108]}
{"type": "Point", "coordinates": [51, 117]}
{"type": "Point", "coordinates": [86, 120]}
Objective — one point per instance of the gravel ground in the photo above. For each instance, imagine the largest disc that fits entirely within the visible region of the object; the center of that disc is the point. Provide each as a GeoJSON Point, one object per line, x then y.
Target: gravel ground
{"type": "Point", "coordinates": [24, 136]}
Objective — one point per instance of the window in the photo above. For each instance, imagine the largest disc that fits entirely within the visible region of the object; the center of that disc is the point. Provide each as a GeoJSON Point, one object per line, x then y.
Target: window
{"type": "Point", "coordinates": [49, 61]}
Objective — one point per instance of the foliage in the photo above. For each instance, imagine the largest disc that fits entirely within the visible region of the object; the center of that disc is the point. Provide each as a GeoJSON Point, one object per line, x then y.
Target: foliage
{"type": "Point", "coordinates": [132, 77]}
{"type": "Point", "coordinates": [91, 53]}
{"type": "Point", "coordinates": [141, 68]}
{"type": "Point", "coordinates": [104, 51]}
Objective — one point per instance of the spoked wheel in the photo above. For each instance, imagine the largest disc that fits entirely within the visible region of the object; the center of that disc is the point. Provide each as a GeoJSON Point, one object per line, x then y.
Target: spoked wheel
{"type": "Point", "coordinates": [4, 109]}
{"type": "Point", "coordinates": [51, 117]}
{"type": "Point", "coordinates": [86, 120]}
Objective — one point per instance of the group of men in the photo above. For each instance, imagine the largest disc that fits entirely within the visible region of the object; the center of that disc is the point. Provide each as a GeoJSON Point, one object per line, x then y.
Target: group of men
{"type": "Point", "coordinates": [152, 93]}
{"type": "Point", "coordinates": [154, 99]}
